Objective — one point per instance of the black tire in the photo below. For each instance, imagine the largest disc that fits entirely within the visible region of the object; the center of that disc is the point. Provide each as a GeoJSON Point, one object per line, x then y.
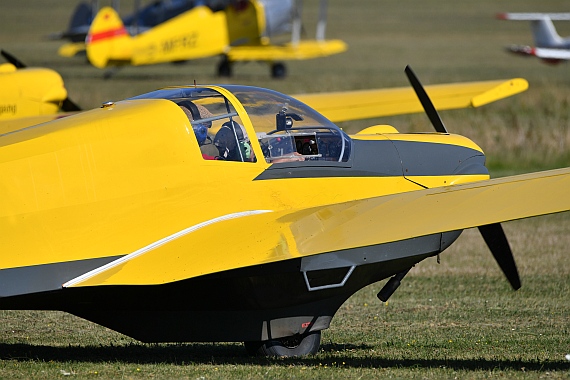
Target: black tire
{"type": "Point", "coordinates": [225, 68]}
{"type": "Point", "coordinates": [278, 70]}
{"type": "Point", "coordinates": [293, 346]}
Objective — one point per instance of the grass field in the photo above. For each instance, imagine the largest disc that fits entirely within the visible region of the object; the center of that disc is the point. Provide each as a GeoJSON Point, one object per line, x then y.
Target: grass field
{"type": "Point", "coordinates": [457, 319]}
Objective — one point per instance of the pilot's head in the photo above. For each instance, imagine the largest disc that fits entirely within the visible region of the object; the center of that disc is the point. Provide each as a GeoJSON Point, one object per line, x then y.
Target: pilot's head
{"type": "Point", "coordinates": [232, 143]}
{"type": "Point", "coordinates": [195, 112]}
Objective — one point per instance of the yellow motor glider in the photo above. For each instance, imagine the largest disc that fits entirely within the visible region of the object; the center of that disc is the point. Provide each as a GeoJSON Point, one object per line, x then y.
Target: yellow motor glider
{"type": "Point", "coordinates": [138, 217]}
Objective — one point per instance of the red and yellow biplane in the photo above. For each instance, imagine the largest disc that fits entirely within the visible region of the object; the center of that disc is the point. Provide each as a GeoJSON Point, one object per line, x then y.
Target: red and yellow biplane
{"type": "Point", "coordinates": [236, 213]}
{"type": "Point", "coordinates": [242, 31]}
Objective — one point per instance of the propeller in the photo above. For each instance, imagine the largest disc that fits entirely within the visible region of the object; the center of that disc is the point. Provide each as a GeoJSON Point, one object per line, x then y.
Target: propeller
{"type": "Point", "coordinates": [67, 105]}
{"type": "Point", "coordinates": [13, 60]}
{"type": "Point", "coordinates": [497, 242]}
{"type": "Point", "coordinates": [493, 234]}
{"type": "Point", "coordinates": [431, 112]}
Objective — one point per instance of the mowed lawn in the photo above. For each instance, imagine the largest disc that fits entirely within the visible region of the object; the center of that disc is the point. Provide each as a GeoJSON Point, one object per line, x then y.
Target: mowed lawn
{"type": "Point", "coordinates": [455, 319]}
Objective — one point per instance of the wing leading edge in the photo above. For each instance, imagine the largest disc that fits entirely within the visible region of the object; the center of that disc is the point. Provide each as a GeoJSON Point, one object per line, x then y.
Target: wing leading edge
{"type": "Point", "coordinates": [274, 236]}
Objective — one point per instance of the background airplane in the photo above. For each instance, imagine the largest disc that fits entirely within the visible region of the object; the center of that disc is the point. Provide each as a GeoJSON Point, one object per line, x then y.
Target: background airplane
{"type": "Point", "coordinates": [141, 19]}
{"type": "Point", "coordinates": [29, 93]}
{"type": "Point", "coordinates": [549, 46]}
{"type": "Point", "coordinates": [245, 30]}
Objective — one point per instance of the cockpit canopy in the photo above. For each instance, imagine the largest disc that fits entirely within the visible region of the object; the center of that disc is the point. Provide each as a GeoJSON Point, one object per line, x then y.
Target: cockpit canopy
{"type": "Point", "coordinates": [286, 129]}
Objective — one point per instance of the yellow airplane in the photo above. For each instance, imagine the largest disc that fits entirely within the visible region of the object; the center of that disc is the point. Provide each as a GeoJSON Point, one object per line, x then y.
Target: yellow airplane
{"type": "Point", "coordinates": [31, 92]}
{"type": "Point", "coordinates": [135, 217]}
{"type": "Point", "coordinates": [241, 32]}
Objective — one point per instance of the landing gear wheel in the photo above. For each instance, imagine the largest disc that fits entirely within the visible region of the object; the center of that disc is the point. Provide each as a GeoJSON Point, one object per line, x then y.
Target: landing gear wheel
{"type": "Point", "coordinates": [225, 68]}
{"type": "Point", "coordinates": [291, 346]}
{"type": "Point", "coordinates": [278, 70]}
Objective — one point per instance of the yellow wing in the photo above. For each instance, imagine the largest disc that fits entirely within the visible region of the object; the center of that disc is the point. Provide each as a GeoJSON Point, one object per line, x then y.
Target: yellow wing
{"type": "Point", "coordinates": [364, 104]}
{"type": "Point", "coordinates": [424, 212]}
{"type": "Point", "coordinates": [263, 236]}
{"type": "Point", "coordinates": [302, 50]}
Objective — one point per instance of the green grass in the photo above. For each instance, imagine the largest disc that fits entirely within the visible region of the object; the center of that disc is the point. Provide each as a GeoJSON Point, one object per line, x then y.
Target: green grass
{"type": "Point", "coordinates": [457, 319]}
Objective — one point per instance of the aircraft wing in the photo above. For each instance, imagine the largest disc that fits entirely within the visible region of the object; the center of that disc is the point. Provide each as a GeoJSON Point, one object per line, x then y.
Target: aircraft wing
{"type": "Point", "coordinates": [533, 16]}
{"type": "Point", "coordinates": [291, 51]}
{"type": "Point", "coordinates": [364, 104]}
{"type": "Point", "coordinates": [11, 125]}
{"type": "Point", "coordinates": [263, 236]}
{"type": "Point", "coordinates": [71, 49]}
{"type": "Point", "coordinates": [556, 54]}
{"type": "Point", "coordinates": [424, 212]}
{"type": "Point", "coordinates": [543, 53]}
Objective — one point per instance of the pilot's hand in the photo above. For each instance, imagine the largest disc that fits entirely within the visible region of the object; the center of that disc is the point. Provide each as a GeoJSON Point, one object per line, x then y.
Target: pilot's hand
{"type": "Point", "coordinates": [295, 156]}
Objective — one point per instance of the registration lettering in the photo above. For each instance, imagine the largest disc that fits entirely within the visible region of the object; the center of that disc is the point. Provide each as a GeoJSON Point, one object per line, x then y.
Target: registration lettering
{"type": "Point", "coordinates": [7, 109]}
{"type": "Point", "coordinates": [182, 42]}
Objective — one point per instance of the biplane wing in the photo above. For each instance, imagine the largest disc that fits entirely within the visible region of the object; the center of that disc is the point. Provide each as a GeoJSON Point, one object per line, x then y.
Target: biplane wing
{"type": "Point", "coordinates": [302, 50]}
{"type": "Point", "coordinates": [364, 104]}
{"type": "Point", "coordinates": [337, 228]}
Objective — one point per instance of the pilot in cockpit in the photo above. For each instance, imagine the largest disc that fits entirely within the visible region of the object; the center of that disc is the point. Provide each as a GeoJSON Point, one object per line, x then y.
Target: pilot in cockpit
{"type": "Point", "coordinates": [233, 143]}
{"type": "Point", "coordinates": [195, 112]}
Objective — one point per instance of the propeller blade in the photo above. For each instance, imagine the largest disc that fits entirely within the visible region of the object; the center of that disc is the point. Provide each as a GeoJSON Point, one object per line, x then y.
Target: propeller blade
{"type": "Point", "coordinates": [13, 60]}
{"type": "Point", "coordinates": [497, 242]}
{"type": "Point", "coordinates": [69, 106]}
{"type": "Point", "coordinates": [426, 101]}
{"type": "Point", "coordinates": [493, 234]}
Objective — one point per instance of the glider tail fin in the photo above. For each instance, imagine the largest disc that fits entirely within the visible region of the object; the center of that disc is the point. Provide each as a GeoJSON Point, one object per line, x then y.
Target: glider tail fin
{"type": "Point", "coordinates": [544, 33]}
{"type": "Point", "coordinates": [108, 42]}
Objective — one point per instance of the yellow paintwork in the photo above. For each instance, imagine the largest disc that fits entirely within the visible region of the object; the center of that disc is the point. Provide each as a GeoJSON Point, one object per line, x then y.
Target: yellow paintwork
{"type": "Point", "coordinates": [71, 49]}
{"type": "Point", "coordinates": [10, 125]}
{"type": "Point", "coordinates": [376, 130]}
{"type": "Point", "coordinates": [395, 101]}
{"type": "Point", "coordinates": [481, 203]}
{"type": "Point", "coordinates": [88, 196]}
{"type": "Point", "coordinates": [197, 33]}
{"type": "Point", "coordinates": [29, 92]}
{"type": "Point", "coordinates": [245, 27]}
{"type": "Point", "coordinates": [306, 49]}
{"type": "Point", "coordinates": [278, 235]}
{"type": "Point", "coordinates": [129, 180]}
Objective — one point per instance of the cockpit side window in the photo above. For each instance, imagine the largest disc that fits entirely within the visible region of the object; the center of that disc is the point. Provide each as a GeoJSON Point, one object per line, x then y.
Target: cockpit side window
{"type": "Point", "coordinates": [217, 127]}
{"type": "Point", "coordinates": [215, 122]}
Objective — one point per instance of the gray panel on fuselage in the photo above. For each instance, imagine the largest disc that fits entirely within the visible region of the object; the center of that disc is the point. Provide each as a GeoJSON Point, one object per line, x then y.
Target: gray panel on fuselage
{"type": "Point", "coordinates": [387, 158]}
{"type": "Point", "coordinates": [429, 159]}
{"type": "Point", "coordinates": [46, 277]}
{"type": "Point", "coordinates": [368, 159]}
